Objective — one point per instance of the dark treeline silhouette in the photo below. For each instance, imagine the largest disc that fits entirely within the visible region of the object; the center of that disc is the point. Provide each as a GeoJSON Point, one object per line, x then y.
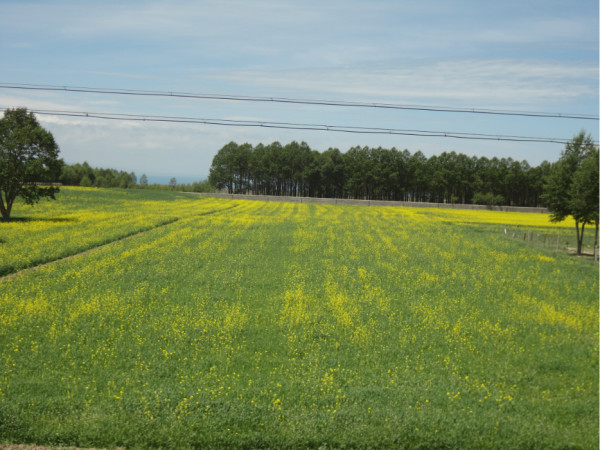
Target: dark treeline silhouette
{"type": "Point", "coordinates": [87, 176]}
{"type": "Point", "coordinates": [84, 175]}
{"type": "Point", "coordinates": [196, 186]}
{"type": "Point", "coordinates": [376, 174]}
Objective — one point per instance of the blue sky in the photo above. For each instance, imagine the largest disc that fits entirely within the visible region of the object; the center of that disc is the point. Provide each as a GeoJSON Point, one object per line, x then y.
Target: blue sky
{"type": "Point", "coordinates": [511, 55]}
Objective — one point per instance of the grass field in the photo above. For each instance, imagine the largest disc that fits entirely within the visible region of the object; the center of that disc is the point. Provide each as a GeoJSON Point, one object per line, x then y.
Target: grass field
{"type": "Point", "coordinates": [231, 323]}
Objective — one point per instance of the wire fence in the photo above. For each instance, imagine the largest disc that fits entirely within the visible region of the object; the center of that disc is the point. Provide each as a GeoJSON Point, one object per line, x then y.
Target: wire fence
{"type": "Point", "coordinates": [559, 241]}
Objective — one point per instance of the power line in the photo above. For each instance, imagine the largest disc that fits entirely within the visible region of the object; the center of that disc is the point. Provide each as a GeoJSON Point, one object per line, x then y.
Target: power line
{"type": "Point", "coordinates": [43, 87]}
{"type": "Point", "coordinates": [297, 126]}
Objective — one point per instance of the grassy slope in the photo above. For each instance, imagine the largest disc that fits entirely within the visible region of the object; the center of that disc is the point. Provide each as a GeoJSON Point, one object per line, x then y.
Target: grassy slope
{"type": "Point", "coordinates": [273, 324]}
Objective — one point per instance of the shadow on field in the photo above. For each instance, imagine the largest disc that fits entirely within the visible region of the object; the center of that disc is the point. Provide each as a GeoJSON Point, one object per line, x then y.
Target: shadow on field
{"type": "Point", "coordinates": [585, 253]}
{"type": "Point", "coordinates": [40, 219]}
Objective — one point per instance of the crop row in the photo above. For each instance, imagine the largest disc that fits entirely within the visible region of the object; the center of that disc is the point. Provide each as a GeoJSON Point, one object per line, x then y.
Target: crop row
{"type": "Point", "coordinates": [276, 324]}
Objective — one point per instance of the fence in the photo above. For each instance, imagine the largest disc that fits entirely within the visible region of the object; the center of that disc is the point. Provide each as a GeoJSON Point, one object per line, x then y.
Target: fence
{"type": "Point", "coordinates": [562, 240]}
{"type": "Point", "coordinates": [344, 201]}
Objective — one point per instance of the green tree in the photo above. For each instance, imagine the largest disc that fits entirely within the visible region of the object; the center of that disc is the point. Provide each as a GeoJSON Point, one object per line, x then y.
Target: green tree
{"type": "Point", "coordinates": [69, 176]}
{"type": "Point", "coordinates": [127, 180]}
{"type": "Point", "coordinates": [375, 173]}
{"type": "Point", "coordinates": [144, 180]}
{"type": "Point", "coordinates": [86, 181]}
{"type": "Point", "coordinates": [535, 181]}
{"type": "Point", "coordinates": [222, 171]}
{"type": "Point", "coordinates": [28, 160]}
{"type": "Point", "coordinates": [487, 199]}
{"type": "Point", "coordinates": [568, 185]}
{"type": "Point", "coordinates": [584, 193]}
{"type": "Point", "coordinates": [258, 166]}
{"type": "Point", "coordinates": [332, 173]}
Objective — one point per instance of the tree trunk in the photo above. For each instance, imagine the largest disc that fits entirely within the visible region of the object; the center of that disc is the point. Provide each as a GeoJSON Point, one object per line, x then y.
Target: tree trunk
{"type": "Point", "coordinates": [577, 228]}
{"type": "Point", "coordinates": [580, 237]}
{"type": "Point", "coordinates": [596, 242]}
{"type": "Point", "coordinates": [5, 210]}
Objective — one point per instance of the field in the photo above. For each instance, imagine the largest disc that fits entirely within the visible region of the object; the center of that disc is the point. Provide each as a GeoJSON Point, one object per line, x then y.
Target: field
{"type": "Point", "coordinates": [230, 323]}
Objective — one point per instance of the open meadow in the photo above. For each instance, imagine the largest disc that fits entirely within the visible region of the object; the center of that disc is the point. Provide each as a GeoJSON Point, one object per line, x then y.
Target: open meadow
{"type": "Point", "coordinates": [231, 323]}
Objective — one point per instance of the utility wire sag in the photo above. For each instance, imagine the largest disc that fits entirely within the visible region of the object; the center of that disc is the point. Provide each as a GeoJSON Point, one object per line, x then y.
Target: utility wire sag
{"type": "Point", "coordinates": [339, 103]}
{"type": "Point", "coordinates": [295, 126]}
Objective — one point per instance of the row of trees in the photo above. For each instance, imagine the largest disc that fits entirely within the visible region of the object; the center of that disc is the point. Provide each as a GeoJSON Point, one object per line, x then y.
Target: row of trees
{"type": "Point", "coordinates": [84, 175]}
{"type": "Point", "coordinates": [376, 174]}
{"type": "Point", "coordinates": [87, 176]}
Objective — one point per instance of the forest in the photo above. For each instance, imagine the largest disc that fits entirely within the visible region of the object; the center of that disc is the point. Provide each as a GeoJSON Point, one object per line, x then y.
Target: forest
{"type": "Point", "coordinates": [376, 174]}
{"type": "Point", "coordinates": [84, 175]}
{"type": "Point", "coordinates": [87, 176]}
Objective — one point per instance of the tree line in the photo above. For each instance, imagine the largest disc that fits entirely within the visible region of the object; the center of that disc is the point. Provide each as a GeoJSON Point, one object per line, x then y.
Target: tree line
{"type": "Point", "coordinates": [87, 176]}
{"type": "Point", "coordinates": [376, 174]}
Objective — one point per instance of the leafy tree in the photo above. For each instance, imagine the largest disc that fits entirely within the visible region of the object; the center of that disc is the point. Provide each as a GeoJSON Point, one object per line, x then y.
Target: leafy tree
{"type": "Point", "coordinates": [419, 178]}
{"type": "Point", "coordinates": [584, 193]}
{"type": "Point", "coordinates": [571, 185]}
{"type": "Point", "coordinates": [173, 183]}
{"type": "Point", "coordinates": [102, 181]}
{"type": "Point", "coordinates": [222, 171]}
{"type": "Point", "coordinates": [84, 175]}
{"type": "Point", "coordinates": [536, 177]}
{"type": "Point", "coordinates": [86, 181]}
{"type": "Point", "coordinates": [257, 167]}
{"type": "Point", "coordinates": [202, 186]}
{"type": "Point", "coordinates": [312, 175]}
{"type": "Point", "coordinates": [144, 180]}
{"type": "Point", "coordinates": [241, 161]}
{"type": "Point", "coordinates": [70, 176]}
{"type": "Point", "coordinates": [332, 173]}
{"type": "Point", "coordinates": [359, 167]}
{"type": "Point", "coordinates": [28, 160]}
{"type": "Point", "coordinates": [487, 199]}
{"type": "Point", "coordinates": [127, 180]}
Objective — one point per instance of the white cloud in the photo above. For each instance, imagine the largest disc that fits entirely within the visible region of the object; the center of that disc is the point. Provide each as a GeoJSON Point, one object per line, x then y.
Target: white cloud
{"type": "Point", "coordinates": [476, 82]}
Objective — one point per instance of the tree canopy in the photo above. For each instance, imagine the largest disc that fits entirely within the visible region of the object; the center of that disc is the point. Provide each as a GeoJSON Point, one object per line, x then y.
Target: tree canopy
{"type": "Point", "coordinates": [571, 188]}
{"type": "Point", "coordinates": [85, 175]}
{"type": "Point", "coordinates": [29, 161]}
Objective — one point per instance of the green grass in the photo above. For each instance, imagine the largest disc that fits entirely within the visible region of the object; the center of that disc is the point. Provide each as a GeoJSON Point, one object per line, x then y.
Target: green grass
{"type": "Point", "coordinates": [78, 221]}
{"type": "Point", "coordinates": [250, 324]}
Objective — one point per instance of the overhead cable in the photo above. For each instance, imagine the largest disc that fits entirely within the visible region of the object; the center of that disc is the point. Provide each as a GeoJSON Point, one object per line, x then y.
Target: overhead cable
{"type": "Point", "coordinates": [297, 126]}
{"type": "Point", "coordinates": [246, 98]}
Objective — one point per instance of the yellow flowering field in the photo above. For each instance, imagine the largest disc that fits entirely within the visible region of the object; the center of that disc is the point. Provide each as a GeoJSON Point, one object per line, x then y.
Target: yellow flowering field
{"type": "Point", "coordinates": [253, 324]}
{"type": "Point", "coordinates": [496, 217]}
{"type": "Point", "coordinates": [78, 221]}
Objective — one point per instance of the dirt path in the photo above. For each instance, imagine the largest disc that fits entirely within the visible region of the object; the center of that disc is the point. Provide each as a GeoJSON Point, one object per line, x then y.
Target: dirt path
{"type": "Point", "coordinates": [10, 276]}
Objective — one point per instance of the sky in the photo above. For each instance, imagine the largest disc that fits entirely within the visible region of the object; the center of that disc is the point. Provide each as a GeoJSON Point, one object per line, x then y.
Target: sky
{"type": "Point", "coordinates": [523, 55]}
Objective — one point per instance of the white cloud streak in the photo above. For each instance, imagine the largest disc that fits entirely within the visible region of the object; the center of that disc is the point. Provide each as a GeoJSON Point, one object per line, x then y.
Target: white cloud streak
{"type": "Point", "coordinates": [496, 82]}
